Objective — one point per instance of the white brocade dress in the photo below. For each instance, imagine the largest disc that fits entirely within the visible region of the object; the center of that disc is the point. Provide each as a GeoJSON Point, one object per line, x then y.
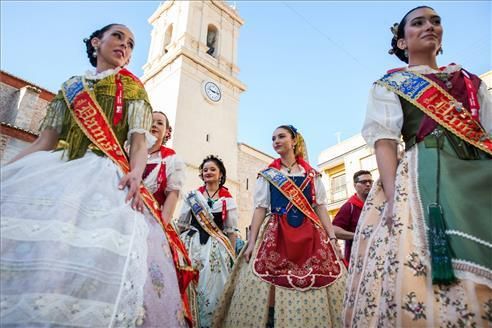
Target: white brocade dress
{"type": "Point", "coordinates": [211, 259]}
{"type": "Point", "coordinates": [73, 253]}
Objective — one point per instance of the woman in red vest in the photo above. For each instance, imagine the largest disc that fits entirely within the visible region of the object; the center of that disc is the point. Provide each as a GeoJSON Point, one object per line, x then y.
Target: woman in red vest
{"type": "Point", "coordinates": [289, 275]}
{"type": "Point", "coordinates": [164, 177]}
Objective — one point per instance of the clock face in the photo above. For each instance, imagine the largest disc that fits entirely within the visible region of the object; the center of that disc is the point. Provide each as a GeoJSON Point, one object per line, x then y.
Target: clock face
{"type": "Point", "coordinates": [212, 91]}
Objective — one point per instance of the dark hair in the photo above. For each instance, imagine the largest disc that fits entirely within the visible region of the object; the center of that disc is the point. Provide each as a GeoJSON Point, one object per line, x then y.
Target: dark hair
{"type": "Point", "coordinates": [359, 173]}
{"type": "Point", "coordinates": [220, 165]}
{"type": "Point", "coordinates": [401, 34]}
{"type": "Point", "coordinates": [96, 34]}
{"type": "Point", "coordinates": [292, 130]}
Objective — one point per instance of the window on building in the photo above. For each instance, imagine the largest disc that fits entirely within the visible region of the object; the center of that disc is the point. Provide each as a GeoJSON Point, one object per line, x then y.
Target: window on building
{"type": "Point", "coordinates": [338, 187]}
{"type": "Point", "coordinates": [247, 183]}
{"type": "Point", "coordinates": [212, 40]}
{"type": "Point", "coordinates": [168, 37]}
{"type": "Point", "coordinates": [369, 163]}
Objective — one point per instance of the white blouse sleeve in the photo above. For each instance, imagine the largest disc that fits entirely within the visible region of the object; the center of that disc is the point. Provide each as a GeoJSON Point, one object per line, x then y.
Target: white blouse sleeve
{"type": "Point", "coordinates": [184, 219]}
{"type": "Point", "coordinates": [321, 196]}
{"type": "Point", "coordinates": [140, 120]}
{"type": "Point", "coordinates": [485, 101]}
{"type": "Point", "coordinates": [175, 173]}
{"type": "Point", "coordinates": [384, 116]}
{"type": "Point", "coordinates": [230, 224]}
{"type": "Point", "coordinates": [262, 193]}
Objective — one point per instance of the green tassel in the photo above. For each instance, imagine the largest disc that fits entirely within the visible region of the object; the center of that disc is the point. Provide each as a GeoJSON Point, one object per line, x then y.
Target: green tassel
{"type": "Point", "coordinates": [441, 252]}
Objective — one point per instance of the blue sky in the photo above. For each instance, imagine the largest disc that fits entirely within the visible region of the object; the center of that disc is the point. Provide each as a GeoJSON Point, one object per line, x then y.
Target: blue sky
{"type": "Point", "coordinates": [308, 63]}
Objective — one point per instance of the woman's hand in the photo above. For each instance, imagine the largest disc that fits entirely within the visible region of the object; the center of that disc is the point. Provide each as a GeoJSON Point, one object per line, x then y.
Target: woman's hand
{"type": "Point", "coordinates": [249, 251]}
{"type": "Point", "coordinates": [336, 248]}
{"type": "Point", "coordinates": [388, 214]}
{"type": "Point", "coordinates": [132, 180]}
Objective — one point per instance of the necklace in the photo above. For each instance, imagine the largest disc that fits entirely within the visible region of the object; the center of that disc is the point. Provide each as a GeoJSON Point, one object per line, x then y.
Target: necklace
{"type": "Point", "coordinates": [210, 200]}
{"type": "Point", "coordinates": [288, 168]}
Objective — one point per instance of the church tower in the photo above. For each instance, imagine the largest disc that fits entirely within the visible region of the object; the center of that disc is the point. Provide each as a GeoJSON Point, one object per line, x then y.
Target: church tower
{"type": "Point", "coordinates": [191, 75]}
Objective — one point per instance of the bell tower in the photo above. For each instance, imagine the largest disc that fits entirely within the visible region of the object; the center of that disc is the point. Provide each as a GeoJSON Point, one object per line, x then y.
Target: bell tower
{"type": "Point", "coordinates": [191, 75]}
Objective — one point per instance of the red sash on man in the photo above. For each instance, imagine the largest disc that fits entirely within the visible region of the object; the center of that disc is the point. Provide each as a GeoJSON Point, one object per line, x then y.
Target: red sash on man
{"type": "Point", "coordinates": [302, 257]}
{"type": "Point", "coordinates": [93, 122]}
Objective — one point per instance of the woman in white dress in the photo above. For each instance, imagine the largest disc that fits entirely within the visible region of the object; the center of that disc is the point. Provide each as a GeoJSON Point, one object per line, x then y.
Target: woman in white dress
{"type": "Point", "coordinates": [208, 222]}
{"type": "Point", "coordinates": [74, 241]}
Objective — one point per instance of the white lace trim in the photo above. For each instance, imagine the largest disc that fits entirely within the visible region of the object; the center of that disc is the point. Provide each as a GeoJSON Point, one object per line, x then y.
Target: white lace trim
{"type": "Point", "coordinates": [52, 230]}
{"type": "Point", "coordinates": [466, 275]}
{"type": "Point", "coordinates": [149, 138]}
{"type": "Point", "coordinates": [55, 309]}
{"type": "Point", "coordinates": [424, 69]}
{"type": "Point", "coordinates": [87, 209]}
{"type": "Point", "coordinates": [467, 236]}
{"type": "Point", "coordinates": [130, 302]}
{"type": "Point", "coordinates": [91, 74]}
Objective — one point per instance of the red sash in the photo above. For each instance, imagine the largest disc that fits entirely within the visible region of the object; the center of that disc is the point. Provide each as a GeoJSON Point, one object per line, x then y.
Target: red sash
{"type": "Point", "coordinates": [302, 257]}
{"type": "Point", "coordinates": [439, 105]}
{"type": "Point", "coordinates": [92, 121]}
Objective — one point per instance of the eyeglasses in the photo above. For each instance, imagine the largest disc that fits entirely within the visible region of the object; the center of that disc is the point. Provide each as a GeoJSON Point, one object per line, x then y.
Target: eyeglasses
{"type": "Point", "coordinates": [365, 181]}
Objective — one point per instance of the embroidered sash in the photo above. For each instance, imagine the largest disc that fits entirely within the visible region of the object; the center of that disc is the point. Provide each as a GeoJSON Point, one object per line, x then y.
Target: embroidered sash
{"type": "Point", "coordinates": [92, 121]}
{"type": "Point", "coordinates": [435, 102]}
{"type": "Point", "coordinates": [292, 192]}
{"type": "Point", "coordinates": [206, 221]}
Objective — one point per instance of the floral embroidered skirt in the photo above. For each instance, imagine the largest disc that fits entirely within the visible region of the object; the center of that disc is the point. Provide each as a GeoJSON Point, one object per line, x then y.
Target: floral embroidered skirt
{"type": "Point", "coordinates": [390, 281]}
{"type": "Point", "coordinates": [245, 300]}
{"type": "Point", "coordinates": [74, 254]}
{"type": "Point", "coordinates": [214, 265]}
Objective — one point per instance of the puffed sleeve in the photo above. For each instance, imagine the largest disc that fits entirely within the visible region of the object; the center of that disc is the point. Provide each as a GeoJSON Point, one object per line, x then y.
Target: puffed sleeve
{"type": "Point", "coordinates": [230, 224]}
{"type": "Point", "coordinates": [55, 114]}
{"type": "Point", "coordinates": [184, 219]}
{"type": "Point", "coordinates": [175, 173]}
{"type": "Point", "coordinates": [262, 193]}
{"type": "Point", "coordinates": [485, 101]}
{"type": "Point", "coordinates": [321, 197]}
{"type": "Point", "coordinates": [384, 116]}
{"type": "Point", "coordinates": [140, 120]}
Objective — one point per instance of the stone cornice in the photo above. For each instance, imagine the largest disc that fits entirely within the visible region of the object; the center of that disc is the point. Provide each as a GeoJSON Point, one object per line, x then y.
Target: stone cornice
{"type": "Point", "coordinates": [192, 56]}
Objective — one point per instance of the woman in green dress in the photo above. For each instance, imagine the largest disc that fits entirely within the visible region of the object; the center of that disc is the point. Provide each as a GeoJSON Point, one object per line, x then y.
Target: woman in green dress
{"type": "Point", "coordinates": [421, 254]}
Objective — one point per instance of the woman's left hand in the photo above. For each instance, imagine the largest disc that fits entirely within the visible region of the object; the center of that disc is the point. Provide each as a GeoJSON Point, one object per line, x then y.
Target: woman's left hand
{"type": "Point", "coordinates": [132, 180]}
{"type": "Point", "coordinates": [336, 248]}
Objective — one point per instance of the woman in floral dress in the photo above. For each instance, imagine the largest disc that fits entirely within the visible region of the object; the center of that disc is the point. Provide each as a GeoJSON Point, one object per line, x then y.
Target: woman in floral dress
{"type": "Point", "coordinates": [289, 274]}
{"type": "Point", "coordinates": [421, 253]}
{"type": "Point", "coordinates": [208, 222]}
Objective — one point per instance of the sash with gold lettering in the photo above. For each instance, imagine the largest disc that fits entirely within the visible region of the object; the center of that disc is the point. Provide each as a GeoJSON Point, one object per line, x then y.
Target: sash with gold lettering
{"type": "Point", "coordinates": [439, 105]}
{"type": "Point", "coordinates": [292, 192]}
{"type": "Point", "coordinates": [206, 221]}
{"type": "Point", "coordinates": [92, 121]}
{"type": "Point", "coordinates": [302, 257]}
